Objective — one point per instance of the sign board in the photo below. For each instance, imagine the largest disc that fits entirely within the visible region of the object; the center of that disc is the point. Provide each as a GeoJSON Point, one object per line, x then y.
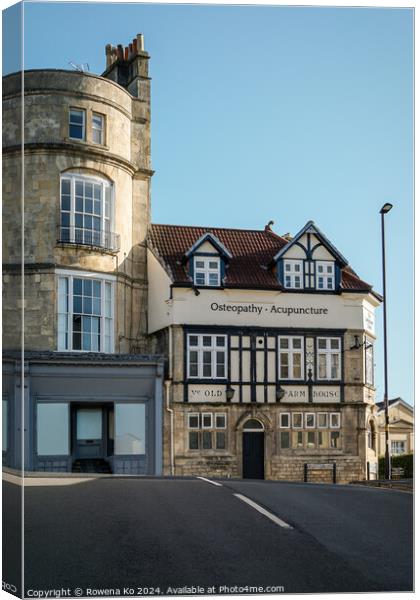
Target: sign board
{"type": "Point", "coordinates": [320, 393]}
{"type": "Point", "coordinates": [206, 393]}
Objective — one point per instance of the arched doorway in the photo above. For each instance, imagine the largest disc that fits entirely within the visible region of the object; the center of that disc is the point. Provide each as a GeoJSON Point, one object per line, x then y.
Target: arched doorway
{"type": "Point", "coordinates": [253, 450]}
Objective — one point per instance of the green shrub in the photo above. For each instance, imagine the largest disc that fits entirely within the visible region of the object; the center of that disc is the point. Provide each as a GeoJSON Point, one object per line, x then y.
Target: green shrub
{"type": "Point", "coordinates": [404, 461]}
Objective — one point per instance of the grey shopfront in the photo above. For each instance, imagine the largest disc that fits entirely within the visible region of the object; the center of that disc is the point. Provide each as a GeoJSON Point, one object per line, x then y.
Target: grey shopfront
{"type": "Point", "coordinates": [83, 413]}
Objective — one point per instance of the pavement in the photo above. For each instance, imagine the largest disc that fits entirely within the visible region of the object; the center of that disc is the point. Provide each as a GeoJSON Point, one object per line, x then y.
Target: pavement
{"type": "Point", "coordinates": [166, 535]}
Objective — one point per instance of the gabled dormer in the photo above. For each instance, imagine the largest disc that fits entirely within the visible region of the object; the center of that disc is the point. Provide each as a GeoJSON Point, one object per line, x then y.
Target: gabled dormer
{"type": "Point", "coordinates": [310, 262]}
{"type": "Point", "coordinates": [207, 260]}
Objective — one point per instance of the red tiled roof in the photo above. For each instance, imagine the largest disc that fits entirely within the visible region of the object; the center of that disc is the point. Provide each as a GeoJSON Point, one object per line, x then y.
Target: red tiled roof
{"type": "Point", "coordinates": [252, 253]}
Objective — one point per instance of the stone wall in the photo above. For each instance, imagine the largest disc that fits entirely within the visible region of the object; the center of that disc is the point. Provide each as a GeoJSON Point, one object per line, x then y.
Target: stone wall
{"type": "Point", "coordinates": [49, 153]}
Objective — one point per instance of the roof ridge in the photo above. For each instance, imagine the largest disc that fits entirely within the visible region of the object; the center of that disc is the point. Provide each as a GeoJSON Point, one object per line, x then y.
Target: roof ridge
{"type": "Point", "coordinates": [213, 227]}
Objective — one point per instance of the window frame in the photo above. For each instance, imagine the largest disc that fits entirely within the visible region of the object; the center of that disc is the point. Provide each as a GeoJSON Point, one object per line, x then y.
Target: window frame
{"type": "Point", "coordinates": [193, 414]}
{"type": "Point", "coordinates": [213, 348]}
{"type": "Point", "coordinates": [293, 274]}
{"type": "Point", "coordinates": [329, 352]}
{"type": "Point", "coordinates": [324, 275]}
{"type": "Point", "coordinates": [290, 351]}
{"type": "Point", "coordinates": [83, 126]}
{"type": "Point", "coordinates": [207, 415]}
{"type": "Point", "coordinates": [301, 420]}
{"type": "Point", "coordinates": [218, 415]}
{"type": "Point", "coordinates": [106, 222]}
{"type": "Point", "coordinates": [206, 270]}
{"type": "Point", "coordinates": [92, 276]}
{"type": "Point", "coordinates": [306, 420]}
{"type": "Point", "coordinates": [285, 414]}
{"type": "Point", "coordinates": [212, 431]}
{"type": "Point", "coordinates": [403, 444]}
{"type": "Point", "coordinates": [101, 130]}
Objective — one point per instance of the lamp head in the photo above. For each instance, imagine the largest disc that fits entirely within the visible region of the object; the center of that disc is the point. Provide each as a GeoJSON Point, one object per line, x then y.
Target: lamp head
{"type": "Point", "coordinates": [230, 392]}
{"type": "Point", "coordinates": [386, 208]}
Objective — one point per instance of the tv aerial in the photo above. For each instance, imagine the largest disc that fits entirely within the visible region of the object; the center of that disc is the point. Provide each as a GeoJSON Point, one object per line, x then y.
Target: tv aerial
{"type": "Point", "coordinates": [81, 67]}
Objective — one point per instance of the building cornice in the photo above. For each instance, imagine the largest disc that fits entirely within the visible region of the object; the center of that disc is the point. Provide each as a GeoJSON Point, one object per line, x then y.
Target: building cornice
{"type": "Point", "coordinates": [81, 151]}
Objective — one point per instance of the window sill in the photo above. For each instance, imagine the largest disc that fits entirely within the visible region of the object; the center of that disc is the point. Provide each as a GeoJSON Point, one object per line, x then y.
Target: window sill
{"type": "Point", "coordinates": [86, 143]}
{"type": "Point", "coordinates": [90, 247]}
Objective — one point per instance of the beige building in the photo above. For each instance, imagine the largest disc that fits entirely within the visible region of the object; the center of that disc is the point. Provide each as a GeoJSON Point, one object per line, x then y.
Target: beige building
{"type": "Point", "coordinates": [79, 183]}
{"type": "Point", "coordinates": [401, 427]}
{"type": "Point", "coordinates": [270, 354]}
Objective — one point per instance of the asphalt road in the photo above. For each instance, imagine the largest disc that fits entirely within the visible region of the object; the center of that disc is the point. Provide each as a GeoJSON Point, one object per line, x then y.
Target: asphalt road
{"type": "Point", "coordinates": [162, 533]}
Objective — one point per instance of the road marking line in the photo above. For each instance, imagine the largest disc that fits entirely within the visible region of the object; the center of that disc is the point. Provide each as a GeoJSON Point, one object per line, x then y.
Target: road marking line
{"type": "Point", "coordinates": [264, 512]}
{"type": "Point", "coordinates": [209, 481]}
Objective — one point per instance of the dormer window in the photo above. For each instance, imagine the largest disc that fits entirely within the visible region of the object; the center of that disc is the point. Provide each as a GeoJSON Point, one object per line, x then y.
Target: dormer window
{"type": "Point", "coordinates": [207, 271]}
{"type": "Point", "coordinates": [325, 275]}
{"type": "Point", "coordinates": [293, 274]}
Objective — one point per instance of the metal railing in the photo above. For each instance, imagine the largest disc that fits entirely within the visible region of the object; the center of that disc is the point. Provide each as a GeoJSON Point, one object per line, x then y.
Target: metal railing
{"type": "Point", "coordinates": [94, 238]}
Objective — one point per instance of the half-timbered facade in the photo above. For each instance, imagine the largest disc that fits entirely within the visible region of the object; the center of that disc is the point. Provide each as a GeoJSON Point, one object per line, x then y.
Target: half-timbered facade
{"type": "Point", "coordinates": [270, 343]}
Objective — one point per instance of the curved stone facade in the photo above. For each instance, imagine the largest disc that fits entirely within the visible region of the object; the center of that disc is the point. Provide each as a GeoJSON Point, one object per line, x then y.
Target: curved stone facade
{"type": "Point", "coordinates": [122, 160]}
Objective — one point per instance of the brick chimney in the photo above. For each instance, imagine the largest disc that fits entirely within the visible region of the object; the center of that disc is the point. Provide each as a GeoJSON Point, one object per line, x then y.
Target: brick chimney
{"type": "Point", "coordinates": [128, 66]}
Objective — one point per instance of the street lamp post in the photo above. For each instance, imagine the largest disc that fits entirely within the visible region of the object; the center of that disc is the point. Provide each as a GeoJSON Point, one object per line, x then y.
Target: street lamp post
{"type": "Point", "coordinates": [384, 210]}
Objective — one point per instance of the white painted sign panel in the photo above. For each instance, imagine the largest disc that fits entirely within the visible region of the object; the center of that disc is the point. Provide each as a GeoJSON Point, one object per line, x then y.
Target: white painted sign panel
{"type": "Point", "coordinates": [206, 393]}
{"type": "Point", "coordinates": [326, 393]}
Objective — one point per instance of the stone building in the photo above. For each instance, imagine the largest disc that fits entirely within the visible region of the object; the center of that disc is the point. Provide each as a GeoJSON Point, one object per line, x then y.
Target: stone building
{"type": "Point", "coordinates": [270, 343]}
{"type": "Point", "coordinates": [401, 427]}
{"type": "Point", "coordinates": [88, 395]}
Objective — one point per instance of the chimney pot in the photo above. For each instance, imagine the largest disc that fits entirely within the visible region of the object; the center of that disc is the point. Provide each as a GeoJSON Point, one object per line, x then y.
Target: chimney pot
{"type": "Point", "coordinates": [140, 42]}
{"type": "Point", "coordinates": [126, 53]}
{"type": "Point", "coordinates": [120, 52]}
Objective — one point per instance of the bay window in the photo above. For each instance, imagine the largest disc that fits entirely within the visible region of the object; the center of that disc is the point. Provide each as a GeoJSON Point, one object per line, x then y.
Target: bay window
{"type": "Point", "coordinates": [85, 313]}
{"type": "Point", "coordinates": [207, 356]}
{"type": "Point", "coordinates": [291, 357]}
{"type": "Point", "coordinates": [87, 211]}
{"type": "Point", "coordinates": [329, 358]}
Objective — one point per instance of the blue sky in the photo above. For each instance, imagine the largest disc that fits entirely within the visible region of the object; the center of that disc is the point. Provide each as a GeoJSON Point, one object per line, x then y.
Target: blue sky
{"type": "Point", "coordinates": [259, 113]}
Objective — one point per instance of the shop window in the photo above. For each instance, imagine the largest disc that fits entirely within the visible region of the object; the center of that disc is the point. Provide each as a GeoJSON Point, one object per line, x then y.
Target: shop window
{"type": "Point", "coordinates": [85, 313]}
{"type": "Point", "coordinates": [87, 212]}
{"type": "Point", "coordinates": [207, 271]}
{"type": "Point", "coordinates": [293, 274]}
{"type": "Point", "coordinates": [98, 128]}
{"type": "Point", "coordinates": [52, 429]}
{"type": "Point", "coordinates": [206, 431]}
{"type": "Point", "coordinates": [325, 275]}
{"type": "Point", "coordinates": [329, 358]}
{"type": "Point", "coordinates": [207, 356]}
{"type": "Point", "coordinates": [291, 357]}
{"type": "Point", "coordinates": [77, 124]}
{"type": "Point", "coordinates": [130, 428]}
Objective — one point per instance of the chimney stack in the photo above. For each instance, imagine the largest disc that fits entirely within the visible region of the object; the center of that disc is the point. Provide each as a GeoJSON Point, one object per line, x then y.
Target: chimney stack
{"type": "Point", "coordinates": [128, 66]}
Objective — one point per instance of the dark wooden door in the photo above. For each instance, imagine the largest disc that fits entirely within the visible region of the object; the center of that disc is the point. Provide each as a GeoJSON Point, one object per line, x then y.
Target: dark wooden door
{"type": "Point", "coordinates": [253, 455]}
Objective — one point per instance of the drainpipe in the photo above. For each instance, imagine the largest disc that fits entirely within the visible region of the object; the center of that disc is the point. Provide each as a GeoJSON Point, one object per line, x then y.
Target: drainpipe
{"type": "Point", "coordinates": [171, 428]}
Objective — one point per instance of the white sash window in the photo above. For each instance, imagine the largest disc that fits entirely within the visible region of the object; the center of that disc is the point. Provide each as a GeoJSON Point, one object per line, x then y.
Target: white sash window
{"type": "Point", "coordinates": [329, 358]}
{"type": "Point", "coordinates": [291, 357]}
{"type": "Point", "coordinates": [207, 356]}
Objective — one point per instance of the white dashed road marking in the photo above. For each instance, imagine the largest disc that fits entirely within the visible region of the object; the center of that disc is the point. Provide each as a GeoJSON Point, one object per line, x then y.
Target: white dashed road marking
{"type": "Point", "coordinates": [209, 481]}
{"type": "Point", "coordinates": [264, 512]}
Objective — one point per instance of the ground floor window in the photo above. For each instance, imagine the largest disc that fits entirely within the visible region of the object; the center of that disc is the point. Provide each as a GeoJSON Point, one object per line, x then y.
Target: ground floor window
{"type": "Point", "coordinates": [52, 429]}
{"type": "Point", "coordinates": [130, 428]}
{"type": "Point", "coordinates": [206, 431]}
{"type": "Point", "coordinates": [310, 430]}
